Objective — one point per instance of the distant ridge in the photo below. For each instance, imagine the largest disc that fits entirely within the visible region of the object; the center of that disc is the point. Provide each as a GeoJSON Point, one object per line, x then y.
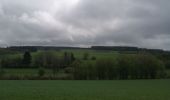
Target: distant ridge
{"type": "Point", "coordinates": [126, 48]}
{"type": "Point", "coordinates": [113, 48]}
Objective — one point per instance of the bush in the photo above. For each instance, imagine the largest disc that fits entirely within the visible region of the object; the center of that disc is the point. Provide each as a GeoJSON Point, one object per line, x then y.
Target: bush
{"type": "Point", "coordinates": [68, 70]}
{"type": "Point", "coordinates": [93, 58]}
{"type": "Point", "coordinates": [86, 56]}
{"type": "Point", "coordinates": [41, 72]}
{"type": "Point", "coordinates": [2, 72]}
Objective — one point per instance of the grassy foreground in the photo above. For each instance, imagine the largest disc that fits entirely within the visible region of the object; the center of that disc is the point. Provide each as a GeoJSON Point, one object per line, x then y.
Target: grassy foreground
{"type": "Point", "coordinates": [85, 90]}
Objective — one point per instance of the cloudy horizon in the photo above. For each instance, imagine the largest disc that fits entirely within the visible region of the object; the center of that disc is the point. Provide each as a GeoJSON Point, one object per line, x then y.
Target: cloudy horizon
{"type": "Point", "coordinates": [141, 23]}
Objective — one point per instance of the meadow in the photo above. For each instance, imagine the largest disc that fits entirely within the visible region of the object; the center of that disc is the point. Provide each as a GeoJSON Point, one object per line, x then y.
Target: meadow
{"type": "Point", "coordinates": [85, 90]}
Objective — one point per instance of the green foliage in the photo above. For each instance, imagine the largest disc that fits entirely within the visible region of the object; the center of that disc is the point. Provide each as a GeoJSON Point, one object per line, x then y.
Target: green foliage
{"type": "Point", "coordinates": [72, 57]}
{"type": "Point", "coordinates": [86, 56]}
{"type": "Point", "coordinates": [87, 71]}
{"type": "Point", "coordinates": [100, 65]}
{"type": "Point", "coordinates": [41, 72]}
{"type": "Point", "coordinates": [69, 70]}
{"type": "Point", "coordinates": [46, 59]}
{"type": "Point", "coordinates": [27, 58]}
{"type": "Point", "coordinates": [93, 58]}
{"type": "Point", "coordinates": [106, 68]}
{"type": "Point", "coordinates": [125, 64]}
{"type": "Point", "coordinates": [140, 66]}
{"type": "Point", "coordinates": [49, 59]}
{"type": "Point", "coordinates": [2, 72]}
{"type": "Point", "coordinates": [167, 64]}
{"type": "Point", "coordinates": [76, 69]}
{"type": "Point", "coordinates": [11, 62]}
{"type": "Point", "coordinates": [68, 58]}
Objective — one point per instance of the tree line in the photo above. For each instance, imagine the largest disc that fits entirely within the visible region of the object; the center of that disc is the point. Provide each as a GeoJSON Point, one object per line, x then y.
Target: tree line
{"type": "Point", "coordinates": [124, 66]}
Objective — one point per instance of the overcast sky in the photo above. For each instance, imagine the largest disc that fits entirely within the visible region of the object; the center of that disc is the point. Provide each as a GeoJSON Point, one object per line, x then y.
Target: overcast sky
{"type": "Point", "coordinates": [142, 23]}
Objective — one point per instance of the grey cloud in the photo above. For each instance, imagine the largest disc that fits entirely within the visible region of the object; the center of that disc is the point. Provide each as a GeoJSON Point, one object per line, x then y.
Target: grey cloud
{"type": "Point", "coordinates": [144, 23]}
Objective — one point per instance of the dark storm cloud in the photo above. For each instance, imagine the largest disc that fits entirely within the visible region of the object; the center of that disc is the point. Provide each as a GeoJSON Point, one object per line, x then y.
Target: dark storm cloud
{"type": "Point", "coordinates": [144, 23]}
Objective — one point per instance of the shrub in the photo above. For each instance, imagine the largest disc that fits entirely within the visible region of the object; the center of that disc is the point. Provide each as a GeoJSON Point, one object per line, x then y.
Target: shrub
{"type": "Point", "coordinates": [2, 72]}
{"type": "Point", "coordinates": [69, 70]}
{"type": "Point", "coordinates": [86, 56]}
{"type": "Point", "coordinates": [41, 72]}
{"type": "Point", "coordinates": [93, 58]}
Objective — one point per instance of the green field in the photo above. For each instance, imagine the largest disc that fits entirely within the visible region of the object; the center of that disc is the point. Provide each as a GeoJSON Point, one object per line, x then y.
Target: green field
{"type": "Point", "coordinates": [25, 72]}
{"type": "Point", "coordinates": [32, 73]}
{"type": "Point", "coordinates": [85, 90]}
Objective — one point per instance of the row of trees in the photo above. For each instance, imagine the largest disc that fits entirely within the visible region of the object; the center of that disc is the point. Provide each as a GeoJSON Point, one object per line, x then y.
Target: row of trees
{"type": "Point", "coordinates": [136, 66]}
{"type": "Point", "coordinates": [124, 67]}
{"type": "Point", "coordinates": [45, 59]}
{"type": "Point", "coordinates": [17, 61]}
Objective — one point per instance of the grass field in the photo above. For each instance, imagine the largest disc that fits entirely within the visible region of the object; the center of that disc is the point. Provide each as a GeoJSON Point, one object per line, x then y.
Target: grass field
{"type": "Point", "coordinates": [25, 72]}
{"type": "Point", "coordinates": [32, 73]}
{"type": "Point", "coordinates": [85, 90]}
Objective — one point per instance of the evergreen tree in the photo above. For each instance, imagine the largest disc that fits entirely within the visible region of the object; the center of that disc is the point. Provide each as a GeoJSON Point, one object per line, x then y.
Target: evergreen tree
{"type": "Point", "coordinates": [72, 57]}
{"type": "Point", "coordinates": [27, 59]}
